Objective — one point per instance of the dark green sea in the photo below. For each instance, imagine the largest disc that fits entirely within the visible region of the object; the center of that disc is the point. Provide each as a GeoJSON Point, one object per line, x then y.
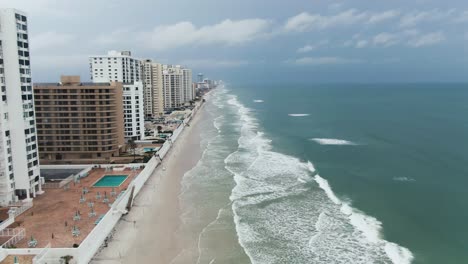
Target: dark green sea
{"type": "Point", "coordinates": [332, 173]}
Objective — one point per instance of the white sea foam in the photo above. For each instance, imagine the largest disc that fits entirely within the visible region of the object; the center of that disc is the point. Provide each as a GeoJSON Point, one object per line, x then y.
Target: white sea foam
{"type": "Point", "coordinates": [398, 255]}
{"type": "Point", "coordinates": [326, 187]}
{"type": "Point", "coordinates": [298, 115]}
{"type": "Point", "coordinates": [333, 141]}
{"type": "Point", "coordinates": [404, 179]}
{"type": "Point", "coordinates": [258, 101]}
{"type": "Point", "coordinates": [267, 212]}
{"type": "Point", "coordinates": [368, 225]}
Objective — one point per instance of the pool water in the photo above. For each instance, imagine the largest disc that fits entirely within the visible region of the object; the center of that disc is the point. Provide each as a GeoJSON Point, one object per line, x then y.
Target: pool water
{"type": "Point", "coordinates": [111, 181]}
{"type": "Point", "coordinates": [148, 149]}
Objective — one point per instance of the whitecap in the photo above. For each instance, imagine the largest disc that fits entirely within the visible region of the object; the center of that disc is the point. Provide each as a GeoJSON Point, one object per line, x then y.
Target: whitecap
{"type": "Point", "coordinates": [368, 225]}
{"type": "Point", "coordinates": [333, 141]}
{"type": "Point", "coordinates": [398, 255]}
{"type": "Point", "coordinates": [258, 101]}
{"type": "Point", "coordinates": [404, 179]}
{"type": "Point", "coordinates": [298, 115]}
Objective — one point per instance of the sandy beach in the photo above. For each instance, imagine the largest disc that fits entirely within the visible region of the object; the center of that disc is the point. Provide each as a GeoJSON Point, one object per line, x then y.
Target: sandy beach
{"type": "Point", "coordinates": [147, 234]}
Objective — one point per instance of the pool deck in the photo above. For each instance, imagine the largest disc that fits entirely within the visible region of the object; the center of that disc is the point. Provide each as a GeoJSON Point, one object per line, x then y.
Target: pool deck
{"type": "Point", "coordinates": [53, 211]}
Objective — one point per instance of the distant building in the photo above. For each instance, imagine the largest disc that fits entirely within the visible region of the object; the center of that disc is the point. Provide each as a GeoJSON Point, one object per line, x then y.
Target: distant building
{"type": "Point", "coordinates": [19, 161]}
{"type": "Point", "coordinates": [200, 77]}
{"type": "Point", "coordinates": [122, 67]}
{"type": "Point", "coordinates": [153, 88]}
{"type": "Point", "coordinates": [79, 122]}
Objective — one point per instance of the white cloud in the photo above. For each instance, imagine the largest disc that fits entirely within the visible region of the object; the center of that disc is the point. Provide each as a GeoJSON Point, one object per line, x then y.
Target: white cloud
{"type": "Point", "coordinates": [306, 22]}
{"type": "Point", "coordinates": [383, 16]}
{"type": "Point", "coordinates": [427, 39]}
{"type": "Point", "coordinates": [323, 61]}
{"type": "Point", "coordinates": [335, 6]}
{"type": "Point", "coordinates": [463, 17]}
{"type": "Point", "coordinates": [50, 39]}
{"type": "Point", "coordinates": [306, 48]}
{"type": "Point", "coordinates": [416, 17]}
{"type": "Point", "coordinates": [385, 39]}
{"type": "Point", "coordinates": [412, 19]}
{"type": "Point", "coordinates": [114, 37]}
{"type": "Point", "coordinates": [309, 48]}
{"type": "Point", "coordinates": [214, 63]}
{"type": "Point", "coordinates": [362, 44]}
{"type": "Point", "coordinates": [227, 32]}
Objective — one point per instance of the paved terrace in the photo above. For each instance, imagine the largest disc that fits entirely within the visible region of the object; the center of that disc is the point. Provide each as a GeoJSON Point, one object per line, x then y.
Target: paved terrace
{"type": "Point", "coordinates": [51, 219]}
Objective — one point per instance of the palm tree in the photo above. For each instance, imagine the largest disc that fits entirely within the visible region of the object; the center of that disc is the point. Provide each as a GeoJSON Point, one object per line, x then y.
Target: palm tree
{"type": "Point", "coordinates": [159, 129]}
{"type": "Point", "coordinates": [132, 146]}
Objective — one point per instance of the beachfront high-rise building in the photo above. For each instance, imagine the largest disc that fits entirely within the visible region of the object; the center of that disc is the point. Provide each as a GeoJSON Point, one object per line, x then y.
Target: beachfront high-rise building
{"type": "Point", "coordinates": [177, 86]}
{"type": "Point", "coordinates": [79, 122]}
{"type": "Point", "coordinates": [172, 82]}
{"type": "Point", "coordinates": [118, 66]}
{"type": "Point", "coordinates": [122, 67]}
{"type": "Point", "coordinates": [153, 88]}
{"type": "Point", "coordinates": [19, 161]}
{"type": "Point", "coordinates": [187, 85]}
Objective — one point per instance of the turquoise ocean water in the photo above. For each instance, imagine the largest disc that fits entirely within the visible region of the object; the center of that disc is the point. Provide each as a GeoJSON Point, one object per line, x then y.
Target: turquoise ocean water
{"type": "Point", "coordinates": [336, 173]}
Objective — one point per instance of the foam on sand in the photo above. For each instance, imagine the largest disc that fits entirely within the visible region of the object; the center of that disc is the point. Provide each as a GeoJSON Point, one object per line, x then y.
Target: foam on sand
{"type": "Point", "coordinates": [298, 115]}
{"type": "Point", "coordinates": [333, 141]}
{"type": "Point", "coordinates": [258, 101]}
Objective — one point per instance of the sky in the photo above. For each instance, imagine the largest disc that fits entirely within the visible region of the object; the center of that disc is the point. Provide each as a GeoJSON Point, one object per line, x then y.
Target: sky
{"type": "Point", "coordinates": [267, 41]}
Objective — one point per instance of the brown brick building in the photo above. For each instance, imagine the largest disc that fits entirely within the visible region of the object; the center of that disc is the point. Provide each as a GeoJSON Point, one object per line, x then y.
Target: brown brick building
{"type": "Point", "coordinates": [79, 122]}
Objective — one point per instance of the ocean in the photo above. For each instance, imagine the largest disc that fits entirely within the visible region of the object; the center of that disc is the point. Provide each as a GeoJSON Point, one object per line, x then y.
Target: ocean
{"type": "Point", "coordinates": [331, 173]}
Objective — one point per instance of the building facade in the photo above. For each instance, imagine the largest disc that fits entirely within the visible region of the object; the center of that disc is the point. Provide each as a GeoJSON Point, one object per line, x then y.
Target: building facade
{"type": "Point", "coordinates": [187, 85]}
{"type": "Point", "coordinates": [177, 86]}
{"type": "Point", "coordinates": [19, 160]}
{"type": "Point", "coordinates": [79, 122]}
{"type": "Point", "coordinates": [133, 105]}
{"type": "Point", "coordinates": [122, 67]}
{"type": "Point", "coordinates": [153, 88]}
{"type": "Point", "coordinates": [115, 66]}
{"type": "Point", "coordinates": [173, 87]}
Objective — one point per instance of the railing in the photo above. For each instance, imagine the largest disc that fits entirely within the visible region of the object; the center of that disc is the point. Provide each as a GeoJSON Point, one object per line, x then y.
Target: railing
{"type": "Point", "coordinates": [40, 258]}
{"type": "Point", "coordinates": [19, 210]}
{"type": "Point", "coordinates": [6, 223]}
{"type": "Point", "coordinates": [51, 185]}
{"type": "Point", "coordinates": [16, 234]}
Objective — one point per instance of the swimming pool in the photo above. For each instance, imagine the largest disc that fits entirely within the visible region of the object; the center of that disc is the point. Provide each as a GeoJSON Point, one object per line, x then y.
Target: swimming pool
{"type": "Point", "coordinates": [110, 181]}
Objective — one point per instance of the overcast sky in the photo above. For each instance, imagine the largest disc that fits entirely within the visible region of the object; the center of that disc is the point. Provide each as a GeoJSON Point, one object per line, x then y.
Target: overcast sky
{"type": "Point", "coordinates": [257, 40]}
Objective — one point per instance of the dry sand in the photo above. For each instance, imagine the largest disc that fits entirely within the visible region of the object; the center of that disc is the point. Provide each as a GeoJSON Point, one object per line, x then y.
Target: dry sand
{"type": "Point", "coordinates": [148, 233]}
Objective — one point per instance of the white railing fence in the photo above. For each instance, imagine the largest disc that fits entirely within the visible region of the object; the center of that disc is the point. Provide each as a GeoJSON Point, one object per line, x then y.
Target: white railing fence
{"type": "Point", "coordinates": [15, 235]}
{"type": "Point", "coordinates": [19, 210]}
{"type": "Point", "coordinates": [40, 258]}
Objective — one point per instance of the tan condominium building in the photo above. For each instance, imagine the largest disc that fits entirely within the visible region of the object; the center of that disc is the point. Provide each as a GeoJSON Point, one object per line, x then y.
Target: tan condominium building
{"type": "Point", "coordinates": [79, 122]}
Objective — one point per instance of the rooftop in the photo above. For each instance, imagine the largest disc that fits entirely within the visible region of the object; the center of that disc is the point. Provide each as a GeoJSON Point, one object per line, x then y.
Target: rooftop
{"type": "Point", "coordinates": [51, 219]}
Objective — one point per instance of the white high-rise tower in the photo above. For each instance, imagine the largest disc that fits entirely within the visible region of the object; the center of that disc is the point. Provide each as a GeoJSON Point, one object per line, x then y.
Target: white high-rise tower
{"type": "Point", "coordinates": [19, 160]}
{"type": "Point", "coordinates": [122, 67]}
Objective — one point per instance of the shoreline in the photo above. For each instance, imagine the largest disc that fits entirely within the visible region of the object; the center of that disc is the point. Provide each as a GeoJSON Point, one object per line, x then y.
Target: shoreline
{"type": "Point", "coordinates": [148, 233]}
